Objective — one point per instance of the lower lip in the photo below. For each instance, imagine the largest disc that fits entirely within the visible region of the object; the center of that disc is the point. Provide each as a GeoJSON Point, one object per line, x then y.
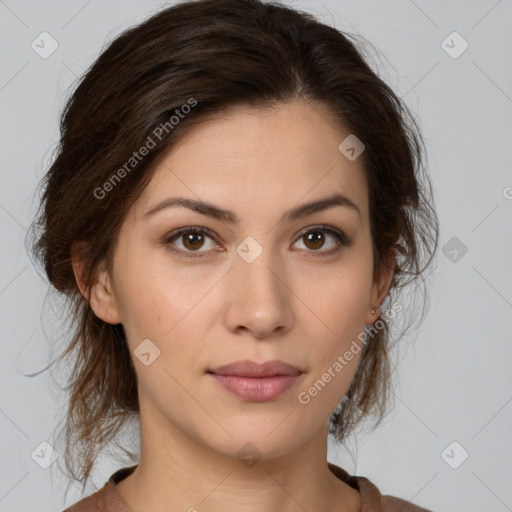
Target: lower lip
{"type": "Point", "coordinates": [256, 389]}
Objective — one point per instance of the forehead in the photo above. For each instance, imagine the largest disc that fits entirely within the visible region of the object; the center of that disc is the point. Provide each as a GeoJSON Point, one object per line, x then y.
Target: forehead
{"type": "Point", "coordinates": [261, 158]}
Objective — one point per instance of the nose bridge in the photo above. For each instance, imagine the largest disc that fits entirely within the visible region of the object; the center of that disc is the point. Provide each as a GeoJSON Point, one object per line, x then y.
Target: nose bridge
{"type": "Point", "coordinates": [258, 276]}
{"type": "Point", "coordinates": [259, 300]}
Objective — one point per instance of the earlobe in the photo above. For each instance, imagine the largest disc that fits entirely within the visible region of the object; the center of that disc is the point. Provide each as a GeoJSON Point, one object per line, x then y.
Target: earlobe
{"type": "Point", "coordinates": [381, 287]}
{"type": "Point", "coordinates": [100, 296]}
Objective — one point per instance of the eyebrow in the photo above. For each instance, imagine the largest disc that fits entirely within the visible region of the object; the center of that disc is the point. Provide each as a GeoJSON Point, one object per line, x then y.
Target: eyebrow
{"type": "Point", "coordinates": [218, 213]}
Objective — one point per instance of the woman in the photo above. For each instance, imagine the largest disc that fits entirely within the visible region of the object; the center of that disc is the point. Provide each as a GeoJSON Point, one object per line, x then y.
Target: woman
{"type": "Point", "coordinates": [236, 203]}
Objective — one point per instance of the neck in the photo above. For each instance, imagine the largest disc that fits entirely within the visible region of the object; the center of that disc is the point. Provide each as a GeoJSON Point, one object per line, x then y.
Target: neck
{"type": "Point", "coordinates": [177, 472]}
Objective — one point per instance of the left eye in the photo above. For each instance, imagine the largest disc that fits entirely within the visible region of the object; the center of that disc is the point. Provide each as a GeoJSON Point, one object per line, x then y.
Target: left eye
{"type": "Point", "coordinates": [315, 239]}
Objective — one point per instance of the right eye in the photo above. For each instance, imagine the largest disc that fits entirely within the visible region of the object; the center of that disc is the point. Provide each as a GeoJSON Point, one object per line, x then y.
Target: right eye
{"type": "Point", "coordinates": [191, 238]}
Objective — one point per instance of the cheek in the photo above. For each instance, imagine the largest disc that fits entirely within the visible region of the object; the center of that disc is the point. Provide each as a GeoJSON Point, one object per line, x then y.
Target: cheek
{"type": "Point", "coordinates": [144, 304]}
{"type": "Point", "coordinates": [338, 298]}
{"type": "Point", "coordinates": [146, 289]}
{"type": "Point", "coordinates": [337, 308]}
{"type": "Point", "coordinates": [168, 307]}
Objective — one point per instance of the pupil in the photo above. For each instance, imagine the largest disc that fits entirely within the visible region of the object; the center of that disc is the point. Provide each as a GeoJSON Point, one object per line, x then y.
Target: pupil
{"type": "Point", "coordinates": [189, 240]}
{"type": "Point", "coordinates": [318, 236]}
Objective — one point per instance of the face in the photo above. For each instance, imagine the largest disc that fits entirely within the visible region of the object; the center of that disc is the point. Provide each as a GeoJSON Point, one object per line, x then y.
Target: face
{"type": "Point", "coordinates": [257, 283]}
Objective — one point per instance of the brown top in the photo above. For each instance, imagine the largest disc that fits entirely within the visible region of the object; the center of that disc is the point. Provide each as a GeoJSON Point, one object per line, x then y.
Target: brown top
{"type": "Point", "coordinates": [106, 499]}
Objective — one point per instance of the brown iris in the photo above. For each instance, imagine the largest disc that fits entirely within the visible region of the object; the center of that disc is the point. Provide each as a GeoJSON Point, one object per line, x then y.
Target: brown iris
{"type": "Point", "coordinates": [193, 240]}
{"type": "Point", "coordinates": [317, 238]}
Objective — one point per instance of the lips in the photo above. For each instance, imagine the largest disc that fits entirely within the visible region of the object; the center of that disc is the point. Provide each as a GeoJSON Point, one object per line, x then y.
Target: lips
{"type": "Point", "coordinates": [256, 382]}
{"type": "Point", "coordinates": [248, 368]}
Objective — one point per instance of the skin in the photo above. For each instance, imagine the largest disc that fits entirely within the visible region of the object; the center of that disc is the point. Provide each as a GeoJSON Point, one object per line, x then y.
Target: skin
{"type": "Point", "coordinates": [211, 310]}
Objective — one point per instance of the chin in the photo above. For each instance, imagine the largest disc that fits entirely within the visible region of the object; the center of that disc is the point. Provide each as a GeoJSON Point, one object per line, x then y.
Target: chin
{"type": "Point", "coordinates": [270, 439]}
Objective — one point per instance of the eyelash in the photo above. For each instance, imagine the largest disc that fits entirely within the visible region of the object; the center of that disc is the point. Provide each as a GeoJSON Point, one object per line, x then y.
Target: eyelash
{"type": "Point", "coordinates": [343, 240]}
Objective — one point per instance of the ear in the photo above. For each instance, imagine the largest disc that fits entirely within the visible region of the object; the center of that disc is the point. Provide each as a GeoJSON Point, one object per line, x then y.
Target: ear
{"type": "Point", "coordinates": [101, 296]}
{"type": "Point", "coordinates": [380, 287]}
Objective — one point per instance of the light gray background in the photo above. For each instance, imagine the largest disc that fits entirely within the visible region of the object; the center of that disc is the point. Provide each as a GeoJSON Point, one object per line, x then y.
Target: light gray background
{"type": "Point", "coordinates": [455, 377]}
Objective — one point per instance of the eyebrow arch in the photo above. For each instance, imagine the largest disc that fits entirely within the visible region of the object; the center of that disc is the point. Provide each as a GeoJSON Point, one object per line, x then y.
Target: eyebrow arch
{"type": "Point", "coordinates": [215, 212]}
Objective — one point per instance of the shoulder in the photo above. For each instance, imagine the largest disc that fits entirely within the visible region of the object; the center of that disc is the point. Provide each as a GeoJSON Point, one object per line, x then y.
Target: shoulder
{"type": "Point", "coordinates": [105, 499]}
{"type": "Point", "coordinates": [372, 499]}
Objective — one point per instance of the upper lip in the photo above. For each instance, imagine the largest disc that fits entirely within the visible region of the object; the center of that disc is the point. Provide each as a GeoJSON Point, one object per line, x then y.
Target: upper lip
{"type": "Point", "coordinates": [248, 368]}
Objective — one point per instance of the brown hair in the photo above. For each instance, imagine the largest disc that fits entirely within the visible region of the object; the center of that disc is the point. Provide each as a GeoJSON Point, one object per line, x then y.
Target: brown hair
{"type": "Point", "coordinates": [210, 55]}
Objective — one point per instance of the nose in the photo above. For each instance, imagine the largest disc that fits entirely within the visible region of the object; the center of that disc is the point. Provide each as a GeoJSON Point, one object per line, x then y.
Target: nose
{"type": "Point", "coordinates": [259, 302]}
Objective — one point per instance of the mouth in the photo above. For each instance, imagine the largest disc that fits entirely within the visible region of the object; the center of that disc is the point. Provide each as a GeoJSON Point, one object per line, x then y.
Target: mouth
{"type": "Point", "coordinates": [255, 382]}
{"type": "Point", "coordinates": [248, 368]}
